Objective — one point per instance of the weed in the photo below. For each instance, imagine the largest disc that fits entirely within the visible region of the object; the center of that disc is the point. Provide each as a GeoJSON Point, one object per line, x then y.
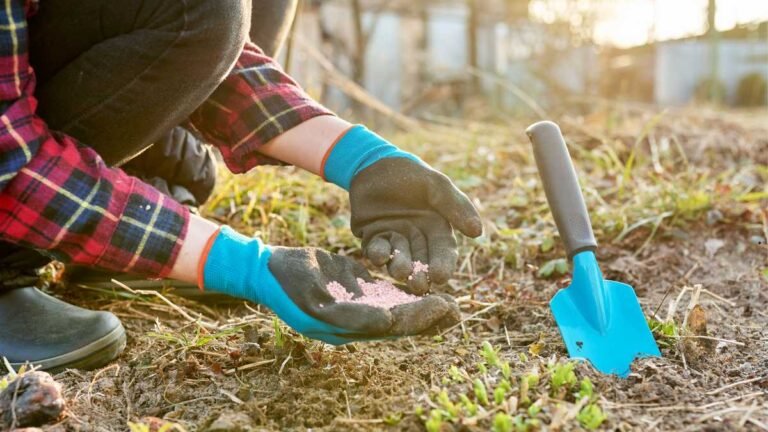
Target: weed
{"type": "Point", "coordinates": [555, 267]}
{"type": "Point", "coordinates": [490, 355]}
{"type": "Point", "coordinates": [562, 377]}
{"type": "Point", "coordinates": [435, 421]}
{"type": "Point", "coordinates": [666, 333]}
{"type": "Point", "coordinates": [393, 419]}
{"type": "Point", "coordinates": [279, 335]}
{"type": "Point", "coordinates": [199, 339]}
{"type": "Point", "coordinates": [502, 422]}
{"type": "Point", "coordinates": [586, 389]}
{"type": "Point", "coordinates": [591, 416]}
{"type": "Point", "coordinates": [480, 392]}
{"type": "Point", "coordinates": [456, 375]}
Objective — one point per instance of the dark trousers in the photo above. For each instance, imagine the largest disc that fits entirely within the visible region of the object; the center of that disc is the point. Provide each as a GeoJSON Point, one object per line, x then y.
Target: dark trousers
{"type": "Point", "coordinates": [120, 76]}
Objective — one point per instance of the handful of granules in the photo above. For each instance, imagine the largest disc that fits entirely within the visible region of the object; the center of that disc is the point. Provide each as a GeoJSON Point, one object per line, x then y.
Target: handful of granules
{"type": "Point", "coordinates": [379, 293]}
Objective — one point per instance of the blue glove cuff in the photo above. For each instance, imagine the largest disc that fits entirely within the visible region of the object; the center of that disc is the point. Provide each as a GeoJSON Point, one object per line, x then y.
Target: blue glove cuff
{"type": "Point", "coordinates": [234, 263]}
{"type": "Point", "coordinates": [238, 266]}
{"type": "Point", "coordinates": [358, 149]}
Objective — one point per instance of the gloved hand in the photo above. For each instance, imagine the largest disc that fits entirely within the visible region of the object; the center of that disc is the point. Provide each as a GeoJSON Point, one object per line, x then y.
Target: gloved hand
{"type": "Point", "coordinates": [292, 283]}
{"type": "Point", "coordinates": [402, 209]}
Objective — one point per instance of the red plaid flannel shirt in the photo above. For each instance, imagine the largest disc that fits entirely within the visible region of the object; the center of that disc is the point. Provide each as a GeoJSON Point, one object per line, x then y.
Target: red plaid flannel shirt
{"type": "Point", "coordinates": [58, 195]}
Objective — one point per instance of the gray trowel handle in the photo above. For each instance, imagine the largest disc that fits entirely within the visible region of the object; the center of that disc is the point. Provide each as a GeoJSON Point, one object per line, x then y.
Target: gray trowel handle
{"type": "Point", "coordinates": [562, 187]}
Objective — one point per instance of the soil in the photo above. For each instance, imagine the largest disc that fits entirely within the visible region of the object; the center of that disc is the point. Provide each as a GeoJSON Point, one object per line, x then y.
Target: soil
{"type": "Point", "coordinates": [231, 371]}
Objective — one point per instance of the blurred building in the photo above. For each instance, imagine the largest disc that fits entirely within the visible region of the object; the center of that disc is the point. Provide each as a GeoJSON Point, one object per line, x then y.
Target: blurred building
{"type": "Point", "coordinates": [419, 55]}
{"type": "Point", "coordinates": [676, 72]}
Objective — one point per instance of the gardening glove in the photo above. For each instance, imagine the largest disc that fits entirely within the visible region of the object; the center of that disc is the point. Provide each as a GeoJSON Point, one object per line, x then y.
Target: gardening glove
{"type": "Point", "coordinates": [292, 283]}
{"type": "Point", "coordinates": [403, 210]}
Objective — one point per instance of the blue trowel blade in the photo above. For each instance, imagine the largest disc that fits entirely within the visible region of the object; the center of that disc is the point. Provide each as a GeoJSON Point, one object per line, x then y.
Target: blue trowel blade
{"type": "Point", "coordinates": [601, 321]}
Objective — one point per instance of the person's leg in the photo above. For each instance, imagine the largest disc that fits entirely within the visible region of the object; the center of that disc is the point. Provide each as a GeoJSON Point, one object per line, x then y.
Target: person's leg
{"type": "Point", "coordinates": [178, 163]}
{"type": "Point", "coordinates": [271, 22]}
{"type": "Point", "coordinates": [117, 75]}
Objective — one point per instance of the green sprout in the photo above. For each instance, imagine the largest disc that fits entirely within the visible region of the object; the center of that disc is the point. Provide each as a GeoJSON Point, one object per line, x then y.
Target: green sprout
{"type": "Point", "coordinates": [393, 419]}
{"type": "Point", "coordinates": [435, 421]}
{"type": "Point", "coordinates": [490, 355]}
{"type": "Point", "coordinates": [562, 377]}
{"type": "Point", "coordinates": [534, 409]}
{"type": "Point", "coordinates": [469, 406]}
{"type": "Point", "coordinates": [500, 394]}
{"type": "Point", "coordinates": [455, 374]}
{"type": "Point", "coordinates": [554, 267]}
{"type": "Point", "coordinates": [586, 389]}
{"type": "Point", "coordinates": [480, 392]}
{"type": "Point", "coordinates": [447, 405]}
{"type": "Point", "coordinates": [279, 335]}
{"type": "Point", "coordinates": [506, 370]}
{"type": "Point", "coordinates": [502, 422]}
{"type": "Point", "coordinates": [591, 417]}
{"type": "Point", "coordinates": [665, 332]}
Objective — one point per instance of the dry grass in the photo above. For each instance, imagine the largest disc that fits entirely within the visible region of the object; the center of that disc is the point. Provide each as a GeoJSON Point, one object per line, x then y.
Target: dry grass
{"type": "Point", "coordinates": [658, 185]}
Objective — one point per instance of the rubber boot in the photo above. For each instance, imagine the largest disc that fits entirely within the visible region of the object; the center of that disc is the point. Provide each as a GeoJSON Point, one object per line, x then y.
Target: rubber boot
{"type": "Point", "coordinates": [46, 332]}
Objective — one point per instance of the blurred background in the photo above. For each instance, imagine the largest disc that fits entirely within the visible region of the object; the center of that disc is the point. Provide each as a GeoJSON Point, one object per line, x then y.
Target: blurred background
{"type": "Point", "coordinates": [429, 59]}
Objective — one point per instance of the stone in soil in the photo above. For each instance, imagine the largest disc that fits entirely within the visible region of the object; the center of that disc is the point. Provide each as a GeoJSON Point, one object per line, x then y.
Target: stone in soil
{"type": "Point", "coordinates": [378, 293]}
{"type": "Point", "coordinates": [38, 401]}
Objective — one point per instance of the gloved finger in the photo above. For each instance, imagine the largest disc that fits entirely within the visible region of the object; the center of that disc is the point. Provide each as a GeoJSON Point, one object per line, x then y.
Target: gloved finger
{"type": "Point", "coordinates": [443, 253]}
{"type": "Point", "coordinates": [400, 266]}
{"type": "Point", "coordinates": [418, 281]}
{"type": "Point", "coordinates": [454, 205]}
{"type": "Point", "coordinates": [378, 250]}
{"type": "Point", "coordinates": [426, 314]}
{"type": "Point", "coordinates": [357, 318]}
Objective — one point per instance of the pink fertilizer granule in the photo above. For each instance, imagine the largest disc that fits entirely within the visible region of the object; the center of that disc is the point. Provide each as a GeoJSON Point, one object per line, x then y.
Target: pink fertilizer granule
{"type": "Point", "coordinates": [378, 293]}
{"type": "Point", "coordinates": [419, 267]}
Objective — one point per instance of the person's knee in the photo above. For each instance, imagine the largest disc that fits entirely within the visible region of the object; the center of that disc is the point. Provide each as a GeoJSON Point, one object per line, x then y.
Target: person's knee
{"type": "Point", "coordinates": [220, 28]}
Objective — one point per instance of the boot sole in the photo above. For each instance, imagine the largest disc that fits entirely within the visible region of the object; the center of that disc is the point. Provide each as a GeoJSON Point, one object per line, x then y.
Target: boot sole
{"type": "Point", "coordinates": [94, 355]}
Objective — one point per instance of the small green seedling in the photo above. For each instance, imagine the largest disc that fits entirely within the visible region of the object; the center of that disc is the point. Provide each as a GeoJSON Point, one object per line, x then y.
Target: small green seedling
{"type": "Point", "coordinates": [527, 382]}
{"type": "Point", "coordinates": [469, 406]}
{"type": "Point", "coordinates": [586, 389]}
{"type": "Point", "coordinates": [490, 355]}
{"type": "Point", "coordinates": [534, 409]}
{"type": "Point", "coordinates": [502, 422]}
{"type": "Point", "coordinates": [393, 419]}
{"type": "Point", "coordinates": [456, 375]}
{"type": "Point", "coordinates": [500, 394]}
{"type": "Point", "coordinates": [555, 267]}
{"type": "Point", "coordinates": [563, 377]}
{"type": "Point", "coordinates": [447, 405]}
{"type": "Point", "coordinates": [435, 421]}
{"type": "Point", "coordinates": [506, 370]}
{"type": "Point", "coordinates": [480, 392]}
{"type": "Point", "coordinates": [526, 425]}
{"type": "Point", "coordinates": [665, 332]}
{"type": "Point", "coordinates": [591, 416]}
{"type": "Point", "coordinates": [279, 335]}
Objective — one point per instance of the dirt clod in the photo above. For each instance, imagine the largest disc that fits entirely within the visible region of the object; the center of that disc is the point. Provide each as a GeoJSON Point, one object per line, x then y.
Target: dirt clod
{"type": "Point", "coordinates": [230, 421]}
{"type": "Point", "coordinates": [32, 399]}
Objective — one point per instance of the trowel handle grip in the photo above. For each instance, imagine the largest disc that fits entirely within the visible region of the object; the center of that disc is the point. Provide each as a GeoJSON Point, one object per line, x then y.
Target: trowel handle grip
{"type": "Point", "coordinates": [562, 187]}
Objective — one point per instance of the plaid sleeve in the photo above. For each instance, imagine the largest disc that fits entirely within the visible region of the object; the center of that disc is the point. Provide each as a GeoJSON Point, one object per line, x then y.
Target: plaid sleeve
{"type": "Point", "coordinates": [58, 195]}
{"type": "Point", "coordinates": [254, 104]}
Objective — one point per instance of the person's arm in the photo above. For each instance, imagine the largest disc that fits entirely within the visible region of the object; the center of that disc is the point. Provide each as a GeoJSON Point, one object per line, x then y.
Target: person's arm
{"type": "Point", "coordinates": [58, 195]}
{"type": "Point", "coordinates": [261, 115]}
